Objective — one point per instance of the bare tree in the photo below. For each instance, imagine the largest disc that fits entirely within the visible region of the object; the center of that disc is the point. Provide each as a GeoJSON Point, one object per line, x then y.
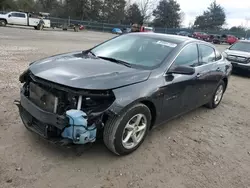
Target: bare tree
{"type": "Point", "coordinates": [190, 24]}
{"type": "Point", "coordinates": [128, 4]}
{"type": "Point", "coordinates": [182, 16]}
{"type": "Point", "coordinates": [147, 7]}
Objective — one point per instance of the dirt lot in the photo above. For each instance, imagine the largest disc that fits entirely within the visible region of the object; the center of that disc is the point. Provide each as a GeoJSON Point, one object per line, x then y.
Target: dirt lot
{"type": "Point", "coordinates": [204, 148]}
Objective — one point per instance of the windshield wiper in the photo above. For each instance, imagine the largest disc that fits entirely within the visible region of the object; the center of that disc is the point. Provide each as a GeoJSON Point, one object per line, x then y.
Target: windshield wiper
{"type": "Point", "coordinates": [92, 53]}
{"type": "Point", "coordinates": [116, 61]}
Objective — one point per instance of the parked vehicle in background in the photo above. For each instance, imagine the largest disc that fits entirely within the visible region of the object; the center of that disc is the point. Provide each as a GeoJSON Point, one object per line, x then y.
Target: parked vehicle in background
{"type": "Point", "coordinates": [120, 89]}
{"type": "Point", "coordinates": [126, 30]}
{"type": "Point", "coordinates": [210, 38]}
{"type": "Point", "coordinates": [231, 39]}
{"type": "Point", "coordinates": [140, 28]}
{"type": "Point", "coordinates": [217, 39]}
{"type": "Point", "coordinates": [228, 39]}
{"type": "Point", "coordinates": [239, 55]}
{"type": "Point", "coordinates": [75, 27]}
{"type": "Point", "coordinates": [200, 35]}
{"type": "Point", "coordinates": [37, 20]}
{"type": "Point", "coordinates": [116, 31]}
{"type": "Point", "coordinates": [184, 33]}
{"type": "Point", "coordinates": [147, 29]}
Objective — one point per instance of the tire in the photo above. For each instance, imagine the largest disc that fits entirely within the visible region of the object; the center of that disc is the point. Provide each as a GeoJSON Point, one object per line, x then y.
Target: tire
{"type": "Point", "coordinates": [212, 104]}
{"type": "Point", "coordinates": [39, 27]}
{"type": "Point", "coordinates": [3, 23]}
{"type": "Point", "coordinates": [35, 27]}
{"type": "Point", "coordinates": [116, 127]}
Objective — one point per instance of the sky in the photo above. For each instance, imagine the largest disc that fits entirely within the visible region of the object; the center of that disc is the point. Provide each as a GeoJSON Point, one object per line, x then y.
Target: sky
{"type": "Point", "coordinates": [237, 11]}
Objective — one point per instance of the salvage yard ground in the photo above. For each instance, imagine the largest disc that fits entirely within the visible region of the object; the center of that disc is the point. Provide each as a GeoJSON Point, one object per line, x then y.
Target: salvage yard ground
{"type": "Point", "coordinates": [202, 149]}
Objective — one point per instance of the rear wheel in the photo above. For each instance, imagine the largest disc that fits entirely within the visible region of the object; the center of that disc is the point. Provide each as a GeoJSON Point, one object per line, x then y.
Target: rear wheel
{"type": "Point", "coordinates": [125, 133]}
{"type": "Point", "coordinates": [40, 27]}
{"type": "Point", "coordinates": [217, 96]}
{"type": "Point", "coordinates": [3, 23]}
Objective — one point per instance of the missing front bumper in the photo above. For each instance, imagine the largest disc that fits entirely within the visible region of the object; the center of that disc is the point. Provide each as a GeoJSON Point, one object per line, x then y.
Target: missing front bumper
{"type": "Point", "coordinates": [47, 125]}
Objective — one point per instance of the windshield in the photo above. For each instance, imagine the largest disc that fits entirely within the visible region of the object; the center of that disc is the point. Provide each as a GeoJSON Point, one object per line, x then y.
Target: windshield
{"type": "Point", "coordinates": [136, 50]}
{"type": "Point", "coordinates": [241, 46]}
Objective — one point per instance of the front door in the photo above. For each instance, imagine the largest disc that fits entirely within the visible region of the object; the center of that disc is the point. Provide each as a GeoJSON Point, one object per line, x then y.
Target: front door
{"type": "Point", "coordinates": [180, 91]}
{"type": "Point", "coordinates": [18, 18]}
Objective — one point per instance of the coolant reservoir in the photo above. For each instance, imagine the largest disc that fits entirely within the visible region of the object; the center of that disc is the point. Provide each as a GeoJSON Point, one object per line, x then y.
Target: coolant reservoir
{"type": "Point", "coordinates": [78, 131]}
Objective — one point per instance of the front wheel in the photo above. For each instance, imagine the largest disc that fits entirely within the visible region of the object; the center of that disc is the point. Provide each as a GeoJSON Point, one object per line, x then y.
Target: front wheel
{"type": "Point", "coordinates": [3, 23]}
{"type": "Point", "coordinates": [217, 96]}
{"type": "Point", "coordinates": [125, 133]}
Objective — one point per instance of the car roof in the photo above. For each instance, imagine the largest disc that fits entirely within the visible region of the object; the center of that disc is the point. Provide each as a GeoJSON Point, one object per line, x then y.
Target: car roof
{"type": "Point", "coordinates": [167, 37]}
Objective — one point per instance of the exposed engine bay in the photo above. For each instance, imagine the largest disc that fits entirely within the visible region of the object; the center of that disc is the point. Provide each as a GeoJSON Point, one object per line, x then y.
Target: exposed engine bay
{"type": "Point", "coordinates": [60, 113]}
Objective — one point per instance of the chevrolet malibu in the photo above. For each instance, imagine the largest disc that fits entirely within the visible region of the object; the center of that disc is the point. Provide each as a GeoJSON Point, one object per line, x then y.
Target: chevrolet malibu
{"type": "Point", "coordinates": [120, 89]}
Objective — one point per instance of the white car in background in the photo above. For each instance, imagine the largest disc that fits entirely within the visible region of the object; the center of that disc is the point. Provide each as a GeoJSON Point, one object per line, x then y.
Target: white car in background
{"type": "Point", "coordinates": [38, 20]}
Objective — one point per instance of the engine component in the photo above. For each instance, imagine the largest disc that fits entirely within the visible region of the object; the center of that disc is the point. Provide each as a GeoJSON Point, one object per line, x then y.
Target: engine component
{"type": "Point", "coordinates": [78, 131]}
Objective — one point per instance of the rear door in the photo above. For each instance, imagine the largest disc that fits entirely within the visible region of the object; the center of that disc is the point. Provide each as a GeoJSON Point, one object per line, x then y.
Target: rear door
{"type": "Point", "coordinates": [209, 71]}
{"type": "Point", "coordinates": [22, 19]}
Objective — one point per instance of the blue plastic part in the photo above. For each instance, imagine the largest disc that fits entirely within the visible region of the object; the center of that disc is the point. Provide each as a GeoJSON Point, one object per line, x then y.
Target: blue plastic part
{"type": "Point", "coordinates": [116, 30]}
{"type": "Point", "coordinates": [78, 131]}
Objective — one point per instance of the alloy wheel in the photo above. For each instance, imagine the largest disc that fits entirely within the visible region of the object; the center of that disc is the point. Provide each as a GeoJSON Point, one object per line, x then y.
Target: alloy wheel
{"type": "Point", "coordinates": [134, 131]}
{"type": "Point", "coordinates": [218, 95]}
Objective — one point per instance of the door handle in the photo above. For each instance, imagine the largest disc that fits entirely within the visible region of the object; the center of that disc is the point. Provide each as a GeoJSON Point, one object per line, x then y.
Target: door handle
{"type": "Point", "coordinates": [218, 69]}
{"type": "Point", "coordinates": [198, 75]}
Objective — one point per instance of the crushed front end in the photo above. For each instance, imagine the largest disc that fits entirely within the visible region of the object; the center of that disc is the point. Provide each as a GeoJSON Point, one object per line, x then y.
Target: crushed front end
{"type": "Point", "coordinates": [62, 114]}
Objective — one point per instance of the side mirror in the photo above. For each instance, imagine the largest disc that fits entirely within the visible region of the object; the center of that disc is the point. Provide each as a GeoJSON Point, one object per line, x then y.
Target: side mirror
{"type": "Point", "coordinates": [182, 70]}
{"type": "Point", "coordinates": [9, 15]}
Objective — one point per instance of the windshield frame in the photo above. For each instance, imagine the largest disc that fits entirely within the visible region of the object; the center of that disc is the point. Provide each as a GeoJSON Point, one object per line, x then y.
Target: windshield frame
{"type": "Point", "coordinates": [136, 65]}
{"type": "Point", "coordinates": [230, 48]}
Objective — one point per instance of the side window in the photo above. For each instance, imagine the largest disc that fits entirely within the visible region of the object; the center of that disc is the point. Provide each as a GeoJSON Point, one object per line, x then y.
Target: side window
{"type": "Point", "coordinates": [188, 56]}
{"type": "Point", "coordinates": [218, 55]}
{"type": "Point", "coordinates": [207, 54]}
{"type": "Point", "coordinates": [14, 15]}
{"type": "Point", "coordinates": [21, 15]}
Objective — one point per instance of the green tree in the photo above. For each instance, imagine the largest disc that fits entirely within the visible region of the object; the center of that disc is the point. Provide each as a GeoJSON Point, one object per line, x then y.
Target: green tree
{"type": "Point", "coordinates": [113, 11]}
{"type": "Point", "coordinates": [48, 5]}
{"type": "Point", "coordinates": [237, 29]}
{"type": "Point", "coordinates": [6, 5]}
{"type": "Point", "coordinates": [25, 5]}
{"type": "Point", "coordinates": [133, 15]}
{"type": "Point", "coordinates": [95, 10]}
{"type": "Point", "coordinates": [213, 18]}
{"type": "Point", "coordinates": [167, 14]}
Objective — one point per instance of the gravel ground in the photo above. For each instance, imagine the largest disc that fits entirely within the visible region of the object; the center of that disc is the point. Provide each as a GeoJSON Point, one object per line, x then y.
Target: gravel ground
{"type": "Point", "coordinates": [204, 148]}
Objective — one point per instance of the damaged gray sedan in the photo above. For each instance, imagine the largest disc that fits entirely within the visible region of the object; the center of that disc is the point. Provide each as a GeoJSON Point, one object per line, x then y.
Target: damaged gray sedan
{"type": "Point", "coordinates": [120, 89]}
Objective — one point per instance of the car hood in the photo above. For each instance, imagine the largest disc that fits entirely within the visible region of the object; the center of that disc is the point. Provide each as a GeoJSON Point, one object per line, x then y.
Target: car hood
{"type": "Point", "coordinates": [78, 71]}
{"type": "Point", "coordinates": [238, 53]}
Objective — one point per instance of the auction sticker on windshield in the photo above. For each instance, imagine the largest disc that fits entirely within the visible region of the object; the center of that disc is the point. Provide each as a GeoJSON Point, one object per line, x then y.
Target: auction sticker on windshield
{"type": "Point", "coordinates": [164, 43]}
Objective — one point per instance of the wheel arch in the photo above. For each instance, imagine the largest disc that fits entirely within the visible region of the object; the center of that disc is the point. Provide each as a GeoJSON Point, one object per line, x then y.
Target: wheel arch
{"type": "Point", "coordinates": [4, 20]}
{"type": "Point", "coordinates": [225, 80]}
{"type": "Point", "coordinates": [146, 101]}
